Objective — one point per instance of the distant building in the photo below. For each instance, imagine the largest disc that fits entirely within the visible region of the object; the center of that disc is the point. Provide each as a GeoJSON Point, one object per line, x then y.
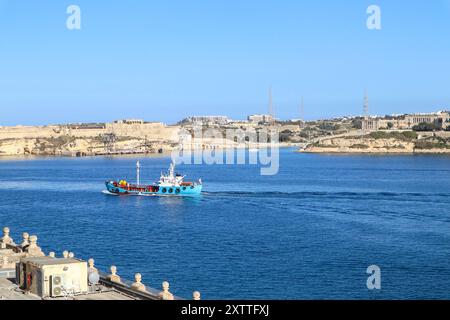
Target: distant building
{"type": "Point", "coordinates": [130, 121]}
{"type": "Point", "coordinates": [86, 126]}
{"type": "Point", "coordinates": [440, 119]}
{"type": "Point", "coordinates": [297, 120]}
{"type": "Point", "coordinates": [207, 120]}
{"type": "Point", "coordinates": [261, 118]}
{"type": "Point", "coordinates": [371, 124]}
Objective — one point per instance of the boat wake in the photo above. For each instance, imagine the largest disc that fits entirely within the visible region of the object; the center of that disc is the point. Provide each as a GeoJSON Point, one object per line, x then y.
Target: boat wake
{"type": "Point", "coordinates": [302, 194]}
{"type": "Point", "coordinates": [109, 193]}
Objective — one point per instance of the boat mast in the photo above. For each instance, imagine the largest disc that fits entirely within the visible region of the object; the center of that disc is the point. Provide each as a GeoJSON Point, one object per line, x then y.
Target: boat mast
{"type": "Point", "coordinates": [138, 167]}
{"type": "Point", "coordinates": [172, 170]}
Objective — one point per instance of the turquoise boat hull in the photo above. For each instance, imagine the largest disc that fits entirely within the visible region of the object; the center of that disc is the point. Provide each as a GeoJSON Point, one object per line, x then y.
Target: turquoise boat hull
{"type": "Point", "coordinates": [154, 190]}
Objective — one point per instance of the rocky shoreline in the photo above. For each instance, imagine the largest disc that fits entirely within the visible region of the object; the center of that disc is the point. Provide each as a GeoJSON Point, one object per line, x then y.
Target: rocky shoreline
{"type": "Point", "coordinates": [375, 151]}
{"type": "Point", "coordinates": [77, 147]}
{"type": "Point", "coordinates": [81, 147]}
{"type": "Point", "coordinates": [407, 142]}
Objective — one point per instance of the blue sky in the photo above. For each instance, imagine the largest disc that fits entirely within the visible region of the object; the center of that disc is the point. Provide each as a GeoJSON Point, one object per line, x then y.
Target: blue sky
{"type": "Point", "coordinates": [164, 60]}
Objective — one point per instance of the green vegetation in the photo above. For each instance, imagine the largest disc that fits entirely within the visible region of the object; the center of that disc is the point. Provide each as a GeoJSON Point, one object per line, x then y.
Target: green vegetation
{"type": "Point", "coordinates": [441, 139]}
{"type": "Point", "coordinates": [304, 135]}
{"type": "Point", "coordinates": [359, 146]}
{"type": "Point", "coordinates": [286, 136]}
{"type": "Point", "coordinates": [60, 141]}
{"type": "Point", "coordinates": [357, 124]}
{"type": "Point", "coordinates": [425, 126]}
{"type": "Point", "coordinates": [403, 136]}
{"type": "Point", "coordinates": [423, 145]}
{"type": "Point", "coordinates": [412, 136]}
{"type": "Point", "coordinates": [328, 126]}
{"type": "Point", "coordinates": [398, 146]}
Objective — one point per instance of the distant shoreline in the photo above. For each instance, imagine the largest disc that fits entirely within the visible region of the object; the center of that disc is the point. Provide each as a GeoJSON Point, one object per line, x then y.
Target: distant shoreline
{"type": "Point", "coordinates": [129, 155]}
{"type": "Point", "coordinates": [362, 152]}
{"type": "Point", "coordinates": [384, 142]}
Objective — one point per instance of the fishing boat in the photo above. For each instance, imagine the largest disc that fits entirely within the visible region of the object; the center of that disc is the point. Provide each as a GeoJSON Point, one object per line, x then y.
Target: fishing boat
{"type": "Point", "coordinates": [169, 184]}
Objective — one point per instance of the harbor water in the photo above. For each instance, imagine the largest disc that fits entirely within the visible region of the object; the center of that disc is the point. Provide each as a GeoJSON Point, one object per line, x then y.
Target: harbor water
{"type": "Point", "coordinates": [309, 232]}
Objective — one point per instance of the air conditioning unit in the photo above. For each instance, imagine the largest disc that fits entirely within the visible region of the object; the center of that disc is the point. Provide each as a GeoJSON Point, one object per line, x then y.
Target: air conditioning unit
{"type": "Point", "coordinates": [50, 277]}
{"type": "Point", "coordinates": [57, 286]}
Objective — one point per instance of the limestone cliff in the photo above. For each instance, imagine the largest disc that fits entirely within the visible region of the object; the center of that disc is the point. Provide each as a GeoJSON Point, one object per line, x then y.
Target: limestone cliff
{"type": "Point", "coordinates": [383, 142]}
{"type": "Point", "coordinates": [72, 140]}
{"type": "Point", "coordinates": [363, 145]}
{"type": "Point", "coordinates": [79, 146]}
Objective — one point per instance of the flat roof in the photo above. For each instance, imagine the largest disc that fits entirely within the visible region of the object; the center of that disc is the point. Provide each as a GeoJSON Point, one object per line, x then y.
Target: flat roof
{"type": "Point", "coordinates": [11, 291]}
{"type": "Point", "coordinates": [45, 261]}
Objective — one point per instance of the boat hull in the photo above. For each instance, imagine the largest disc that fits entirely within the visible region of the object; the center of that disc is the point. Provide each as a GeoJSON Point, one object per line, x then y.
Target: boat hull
{"type": "Point", "coordinates": [154, 190]}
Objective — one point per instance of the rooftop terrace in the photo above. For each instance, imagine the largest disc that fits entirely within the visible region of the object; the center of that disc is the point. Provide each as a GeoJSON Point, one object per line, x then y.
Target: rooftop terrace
{"type": "Point", "coordinates": [17, 258]}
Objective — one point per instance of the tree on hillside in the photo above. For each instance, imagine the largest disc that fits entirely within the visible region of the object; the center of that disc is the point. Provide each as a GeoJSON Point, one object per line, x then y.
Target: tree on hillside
{"type": "Point", "coordinates": [357, 124]}
{"type": "Point", "coordinates": [426, 126]}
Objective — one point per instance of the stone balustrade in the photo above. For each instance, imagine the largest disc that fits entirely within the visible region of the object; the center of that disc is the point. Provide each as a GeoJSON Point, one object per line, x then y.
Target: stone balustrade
{"type": "Point", "coordinates": [26, 240]}
{"type": "Point", "coordinates": [6, 239]}
{"type": "Point", "coordinates": [113, 277]}
{"type": "Point", "coordinates": [137, 284]}
{"type": "Point", "coordinates": [165, 294]}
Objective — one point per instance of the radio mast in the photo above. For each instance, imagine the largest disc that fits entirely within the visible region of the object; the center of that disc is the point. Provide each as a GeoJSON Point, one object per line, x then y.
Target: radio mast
{"type": "Point", "coordinates": [271, 103]}
{"type": "Point", "coordinates": [302, 110]}
{"type": "Point", "coordinates": [366, 105]}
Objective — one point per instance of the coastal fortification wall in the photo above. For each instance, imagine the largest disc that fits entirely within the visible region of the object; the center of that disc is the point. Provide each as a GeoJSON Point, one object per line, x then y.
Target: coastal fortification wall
{"type": "Point", "coordinates": [88, 139]}
{"type": "Point", "coordinates": [153, 131]}
{"type": "Point", "coordinates": [20, 132]}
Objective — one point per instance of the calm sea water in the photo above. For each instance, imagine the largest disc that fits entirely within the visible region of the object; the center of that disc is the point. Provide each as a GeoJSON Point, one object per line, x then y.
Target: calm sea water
{"type": "Point", "coordinates": [309, 232]}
